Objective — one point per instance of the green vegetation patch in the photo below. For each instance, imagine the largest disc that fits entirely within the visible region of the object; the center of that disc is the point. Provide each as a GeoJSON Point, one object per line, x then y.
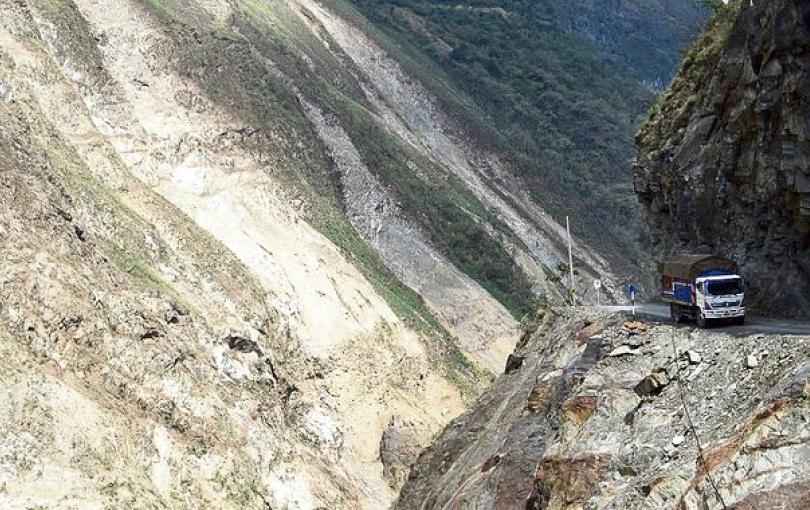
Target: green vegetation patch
{"type": "Point", "coordinates": [451, 216]}
{"type": "Point", "coordinates": [559, 109]}
{"type": "Point", "coordinates": [167, 10]}
{"type": "Point", "coordinates": [140, 269]}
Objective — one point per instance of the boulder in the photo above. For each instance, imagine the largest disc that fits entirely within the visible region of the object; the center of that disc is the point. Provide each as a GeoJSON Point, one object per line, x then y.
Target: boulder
{"type": "Point", "coordinates": [399, 447]}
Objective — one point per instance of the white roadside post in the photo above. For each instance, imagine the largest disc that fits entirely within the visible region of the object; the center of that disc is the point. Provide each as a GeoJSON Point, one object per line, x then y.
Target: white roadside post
{"type": "Point", "coordinates": [570, 262]}
{"type": "Point", "coordinates": [633, 300]}
{"type": "Point", "coordinates": [597, 284]}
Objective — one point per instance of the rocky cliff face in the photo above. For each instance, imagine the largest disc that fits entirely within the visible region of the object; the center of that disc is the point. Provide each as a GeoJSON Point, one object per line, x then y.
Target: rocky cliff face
{"type": "Point", "coordinates": [594, 412]}
{"type": "Point", "coordinates": [724, 160]}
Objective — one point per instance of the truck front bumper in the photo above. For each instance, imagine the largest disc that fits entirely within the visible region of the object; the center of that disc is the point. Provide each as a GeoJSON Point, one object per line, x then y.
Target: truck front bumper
{"type": "Point", "coordinates": [724, 313]}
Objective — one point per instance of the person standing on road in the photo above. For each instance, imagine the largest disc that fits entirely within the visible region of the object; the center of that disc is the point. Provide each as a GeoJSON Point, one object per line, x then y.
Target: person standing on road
{"type": "Point", "coordinates": [631, 290]}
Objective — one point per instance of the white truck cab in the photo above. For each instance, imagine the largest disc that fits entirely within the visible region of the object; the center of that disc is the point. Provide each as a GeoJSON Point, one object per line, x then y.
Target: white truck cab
{"type": "Point", "coordinates": [703, 288]}
{"type": "Point", "coordinates": [720, 297]}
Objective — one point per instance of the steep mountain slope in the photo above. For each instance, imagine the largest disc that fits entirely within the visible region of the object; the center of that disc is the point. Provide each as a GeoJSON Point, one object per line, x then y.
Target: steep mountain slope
{"type": "Point", "coordinates": [595, 413]}
{"type": "Point", "coordinates": [724, 159]}
{"type": "Point", "coordinates": [143, 362]}
{"type": "Point", "coordinates": [250, 255]}
{"type": "Point", "coordinates": [231, 257]}
{"type": "Point", "coordinates": [561, 88]}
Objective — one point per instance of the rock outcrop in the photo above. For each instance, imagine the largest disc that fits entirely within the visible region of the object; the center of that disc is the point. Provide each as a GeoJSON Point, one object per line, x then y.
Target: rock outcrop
{"type": "Point", "coordinates": [724, 159]}
{"type": "Point", "coordinates": [607, 414]}
{"type": "Point", "coordinates": [401, 443]}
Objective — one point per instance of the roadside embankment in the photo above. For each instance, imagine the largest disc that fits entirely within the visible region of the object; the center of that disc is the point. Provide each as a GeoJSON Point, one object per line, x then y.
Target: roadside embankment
{"type": "Point", "coordinates": [600, 412]}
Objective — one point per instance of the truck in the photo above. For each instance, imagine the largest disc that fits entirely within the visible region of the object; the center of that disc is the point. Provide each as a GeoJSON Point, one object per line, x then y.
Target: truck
{"type": "Point", "coordinates": [703, 288]}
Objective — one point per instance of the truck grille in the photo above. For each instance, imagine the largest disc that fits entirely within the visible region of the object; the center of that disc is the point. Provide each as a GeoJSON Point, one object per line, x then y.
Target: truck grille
{"type": "Point", "coordinates": [729, 304]}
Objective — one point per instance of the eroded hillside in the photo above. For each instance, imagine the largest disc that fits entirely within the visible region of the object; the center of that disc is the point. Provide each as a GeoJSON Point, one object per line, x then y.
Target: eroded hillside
{"type": "Point", "coordinates": [181, 344]}
{"type": "Point", "coordinates": [240, 244]}
{"type": "Point", "coordinates": [250, 257]}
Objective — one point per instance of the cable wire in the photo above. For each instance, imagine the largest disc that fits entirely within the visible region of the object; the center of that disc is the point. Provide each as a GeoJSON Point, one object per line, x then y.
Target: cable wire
{"type": "Point", "coordinates": [691, 425]}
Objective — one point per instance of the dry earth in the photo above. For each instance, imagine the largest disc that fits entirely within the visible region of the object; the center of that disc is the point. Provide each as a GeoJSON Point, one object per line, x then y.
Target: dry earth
{"type": "Point", "coordinates": [177, 326]}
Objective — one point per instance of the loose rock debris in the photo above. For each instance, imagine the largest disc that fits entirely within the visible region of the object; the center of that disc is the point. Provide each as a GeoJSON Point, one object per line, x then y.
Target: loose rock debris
{"type": "Point", "coordinates": [637, 326]}
{"type": "Point", "coordinates": [612, 401]}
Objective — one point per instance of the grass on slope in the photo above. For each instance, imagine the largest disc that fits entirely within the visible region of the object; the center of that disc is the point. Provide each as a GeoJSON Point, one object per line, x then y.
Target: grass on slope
{"type": "Point", "coordinates": [561, 111]}
{"type": "Point", "coordinates": [288, 144]}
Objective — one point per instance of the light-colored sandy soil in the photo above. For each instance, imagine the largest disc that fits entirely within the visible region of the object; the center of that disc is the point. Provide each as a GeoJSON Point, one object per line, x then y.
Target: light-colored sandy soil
{"type": "Point", "coordinates": [163, 164]}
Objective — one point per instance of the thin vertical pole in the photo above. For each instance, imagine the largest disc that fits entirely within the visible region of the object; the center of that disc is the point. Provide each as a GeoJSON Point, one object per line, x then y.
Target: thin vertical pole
{"type": "Point", "coordinates": [631, 289]}
{"type": "Point", "coordinates": [570, 260]}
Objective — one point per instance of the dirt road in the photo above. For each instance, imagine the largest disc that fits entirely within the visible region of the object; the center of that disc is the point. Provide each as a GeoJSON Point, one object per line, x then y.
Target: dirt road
{"type": "Point", "coordinates": [753, 325]}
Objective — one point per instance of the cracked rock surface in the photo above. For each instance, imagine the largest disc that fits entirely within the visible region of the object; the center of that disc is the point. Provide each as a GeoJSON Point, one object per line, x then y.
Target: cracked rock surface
{"type": "Point", "coordinates": [576, 428]}
{"type": "Point", "coordinates": [724, 160]}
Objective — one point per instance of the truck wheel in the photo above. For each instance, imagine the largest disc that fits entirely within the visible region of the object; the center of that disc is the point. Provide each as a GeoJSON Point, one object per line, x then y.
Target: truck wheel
{"type": "Point", "coordinates": [701, 320]}
{"type": "Point", "coordinates": [674, 313]}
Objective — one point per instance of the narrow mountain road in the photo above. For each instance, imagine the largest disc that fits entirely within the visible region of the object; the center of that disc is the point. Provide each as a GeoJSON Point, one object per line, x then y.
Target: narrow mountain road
{"type": "Point", "coordinates": [753, 324]}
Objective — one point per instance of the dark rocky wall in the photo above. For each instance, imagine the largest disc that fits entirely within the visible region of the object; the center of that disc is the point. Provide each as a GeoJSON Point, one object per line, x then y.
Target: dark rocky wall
{"type": "Point", "coordinates": [724, 160]}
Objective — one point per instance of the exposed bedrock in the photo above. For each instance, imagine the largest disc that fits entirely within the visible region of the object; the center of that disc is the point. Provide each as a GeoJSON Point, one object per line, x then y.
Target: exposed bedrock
{"type": "Point", "coordinates": [724, 160]}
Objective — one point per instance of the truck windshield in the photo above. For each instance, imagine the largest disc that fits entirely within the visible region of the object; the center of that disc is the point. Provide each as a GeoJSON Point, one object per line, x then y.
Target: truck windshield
{"type": "Point", "coordinates": [724, 287]}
